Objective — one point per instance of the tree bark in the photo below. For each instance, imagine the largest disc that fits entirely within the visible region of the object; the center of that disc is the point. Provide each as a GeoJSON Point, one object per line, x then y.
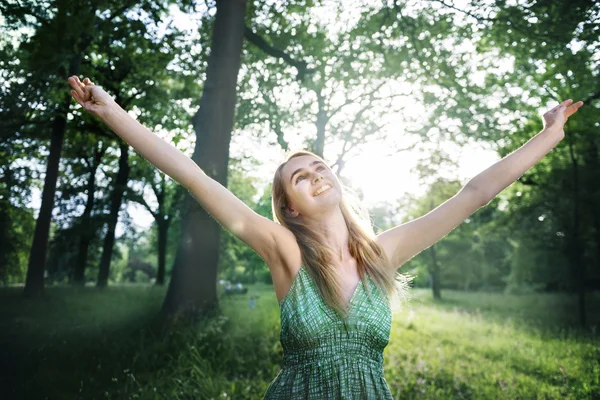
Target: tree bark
{"type": "Point", "coordinates": [576, 246]}
{"type": "Point", "coordinates": [434, 269]}
{"type": "Point", "coordinates": [85, 235]}
{"type": "Point", "coordinates": [163, 231]}
{"type": "Point", "coordinates": [116, 200]}
{"type": "Point", "coordinates": [84, 232]}
{"type": "Point", "coordinates": [592, 197]}
{"type": "Point", "coordinates": [192, 290]}
{"type": "Point", "coordinates": [162, 222]}
{"type": "Point", "coordinates": [34, 283]}
{"type": "Point", "coordinates": [435, 274]}
{"type": "Point", "coordinates": [321, 123]}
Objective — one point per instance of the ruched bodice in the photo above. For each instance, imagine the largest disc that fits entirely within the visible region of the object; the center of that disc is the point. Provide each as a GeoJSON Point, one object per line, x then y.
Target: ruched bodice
{"type": "Point", "coordinates": [326, 356]}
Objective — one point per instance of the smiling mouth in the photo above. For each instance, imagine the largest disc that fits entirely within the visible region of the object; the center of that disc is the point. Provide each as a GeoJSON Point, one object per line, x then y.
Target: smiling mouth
{"type": "Point", "coordinates": [322, 189]}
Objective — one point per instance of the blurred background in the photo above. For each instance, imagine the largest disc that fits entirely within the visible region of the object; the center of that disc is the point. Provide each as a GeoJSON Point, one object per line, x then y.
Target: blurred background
{"type": "Point", "coordinates": [115, 284]}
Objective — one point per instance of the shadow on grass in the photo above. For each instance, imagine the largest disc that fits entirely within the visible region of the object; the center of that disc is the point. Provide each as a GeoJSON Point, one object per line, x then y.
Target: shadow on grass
{"type": "Point", "coordinates": [84, 343]}
{"type": "Point", "coordinates": [52, 345]}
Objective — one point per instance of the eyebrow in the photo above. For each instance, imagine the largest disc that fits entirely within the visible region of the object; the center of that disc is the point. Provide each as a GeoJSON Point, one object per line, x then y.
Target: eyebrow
{"type": "Point", "coordinates": [302, 169]}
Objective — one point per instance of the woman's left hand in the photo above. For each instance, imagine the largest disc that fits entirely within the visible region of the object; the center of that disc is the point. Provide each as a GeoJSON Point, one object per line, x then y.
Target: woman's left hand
{"type": "Point", "coordinates": [557, 117]}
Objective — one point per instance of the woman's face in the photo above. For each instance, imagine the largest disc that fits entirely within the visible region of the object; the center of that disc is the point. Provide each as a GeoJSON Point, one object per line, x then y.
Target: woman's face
{"type": "Point", "coordinates": [312, 188]}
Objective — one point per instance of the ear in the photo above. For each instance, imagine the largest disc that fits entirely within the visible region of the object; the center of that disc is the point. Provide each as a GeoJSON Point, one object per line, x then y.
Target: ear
{"type": "Point", "coordinates": [289, 210]}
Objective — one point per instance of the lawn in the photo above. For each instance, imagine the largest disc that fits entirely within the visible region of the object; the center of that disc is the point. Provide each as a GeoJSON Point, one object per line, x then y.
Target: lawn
{"type": "Point", "coordinates": [81, 343]}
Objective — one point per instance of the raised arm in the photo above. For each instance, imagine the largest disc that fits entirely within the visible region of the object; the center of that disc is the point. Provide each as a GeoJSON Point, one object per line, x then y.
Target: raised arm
{"type": "Point", "coordinates": [263, 235]}
{"type": "Point", "coordinates": [405, 241]}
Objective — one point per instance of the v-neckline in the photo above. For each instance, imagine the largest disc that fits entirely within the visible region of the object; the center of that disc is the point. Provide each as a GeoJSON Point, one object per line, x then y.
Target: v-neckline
{"type": "Point", "coordinates": [349, 306]}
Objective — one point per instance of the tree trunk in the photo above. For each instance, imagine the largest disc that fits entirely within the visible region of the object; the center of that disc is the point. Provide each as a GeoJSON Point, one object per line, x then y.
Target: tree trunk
{"type": "Point", "coordinates": [163, 231]}
{"type": "Point", "coordinates": [576, 246]}
{"type": "Point", "coordinates": [322, 119]}
{"type": "Point", "coordinates": [192, 288]}
{"type": "Point", "coordinates": [116, 200]}
{"type": "Point", "coordinates": [592, 197]}
{"type": "Point", "coordinates": [34, 283]}
{"type": "Point", "coordinates": [85, 235]}
{"type": "Point", "coordinates": [434, 269]}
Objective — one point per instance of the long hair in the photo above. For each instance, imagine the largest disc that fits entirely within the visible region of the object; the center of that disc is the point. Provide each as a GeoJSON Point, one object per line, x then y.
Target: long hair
{"type": "Point", "coordinates": [317, 258]}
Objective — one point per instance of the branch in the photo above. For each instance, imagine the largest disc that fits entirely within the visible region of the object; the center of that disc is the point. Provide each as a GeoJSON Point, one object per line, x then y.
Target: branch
{"type": "Point", "coordinates": [96, 128]}
{"type": "Point", "coordinates": [592, 97]}
{"type": "Point", "coordinates": [154, 186]}
{"type": "Point", "coordinates": [525, 180]}
{"type": "Point", "coordinates": [85, 160]}
{"type": "Point", "coordinates": [128, 100]}
{"type": "Point", "coordinates": [350, 101]}
{"type": "Point", "coordinates": [176, 197]}
{"type": "Point", "coordinates": [301, 66]}
{"type": "Point", "coordinates": [524, 30]}
{"type": "Point", "coordinates": [353, 141]}
{"type": "Point", "coordinates": [10, 129]}
{"type": "Point", "coordinates": [99, 153]}
{"type": "Point", "coordinates": [134, 196]}
{"type": "Point", "coordinates": [477, 17]}
{"type": "Point", "coordinates": [371, 104]}
{"type": "Point", "coordinates": [276, 122]}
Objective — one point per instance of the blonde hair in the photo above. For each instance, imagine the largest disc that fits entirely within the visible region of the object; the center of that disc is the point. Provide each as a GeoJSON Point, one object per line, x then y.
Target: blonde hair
{"type": "Point", "coordinates": [317, 258]}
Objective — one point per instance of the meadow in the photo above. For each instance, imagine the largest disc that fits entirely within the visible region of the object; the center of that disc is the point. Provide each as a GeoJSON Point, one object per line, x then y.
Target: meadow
{"type": "Point", "coordinates": [81, 343]}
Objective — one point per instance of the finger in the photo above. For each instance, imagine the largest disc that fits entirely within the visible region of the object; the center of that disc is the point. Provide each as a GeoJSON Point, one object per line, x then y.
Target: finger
{"type": "Point", "coordinates": [73, 82]}
{"type": "Point", "coordinates": [567, 102]}
{"type": "Point", "coordinates": [81, 85]}
{"type": "Point", "coordinates": [87, 81]}
{"type": "Point", "coordinates": [84, 89]}
{"type": "Point", "coordinates": [76, 84]}
{"type": "Point", "coordinates": [572, 109]}
{"type": "Point", "coordinates": [76, 97]}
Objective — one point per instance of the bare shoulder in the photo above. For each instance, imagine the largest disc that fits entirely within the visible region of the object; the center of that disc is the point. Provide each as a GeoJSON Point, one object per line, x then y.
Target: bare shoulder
{"type": "Point", "coordinates": [285, 266]}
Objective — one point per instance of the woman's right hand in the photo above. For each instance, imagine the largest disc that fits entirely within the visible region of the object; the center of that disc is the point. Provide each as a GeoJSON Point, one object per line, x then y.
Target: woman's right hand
{"type": "Point", "coordinates": [91, 97]}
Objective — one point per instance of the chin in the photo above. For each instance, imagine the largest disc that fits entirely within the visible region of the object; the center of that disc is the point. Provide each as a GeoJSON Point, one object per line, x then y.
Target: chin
{"type": "Point", "coordinates": [334, 198]}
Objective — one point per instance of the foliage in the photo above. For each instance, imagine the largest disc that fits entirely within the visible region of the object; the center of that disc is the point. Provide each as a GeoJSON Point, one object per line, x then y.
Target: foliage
{"type": "Point", "coordinates": [469, 71]}
{"type": "Point", "coordinates": [474, 256]}
{"type": "Point", "coordinates": [237, 261]}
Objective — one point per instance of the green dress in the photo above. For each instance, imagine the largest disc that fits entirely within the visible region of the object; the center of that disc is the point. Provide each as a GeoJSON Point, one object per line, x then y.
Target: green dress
{"type": "Point", "coordinates": [325, 356]}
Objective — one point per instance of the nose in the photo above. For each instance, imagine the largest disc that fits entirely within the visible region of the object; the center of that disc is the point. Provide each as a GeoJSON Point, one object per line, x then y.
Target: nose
{"type": "Point", "coordinates": [317, 178]}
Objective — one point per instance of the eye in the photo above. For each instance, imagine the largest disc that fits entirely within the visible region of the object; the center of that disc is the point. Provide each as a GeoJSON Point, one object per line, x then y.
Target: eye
{"type": "Point", "coordinates": [299, 178]}
{"type": "Point", "coordinates": [320, 168]}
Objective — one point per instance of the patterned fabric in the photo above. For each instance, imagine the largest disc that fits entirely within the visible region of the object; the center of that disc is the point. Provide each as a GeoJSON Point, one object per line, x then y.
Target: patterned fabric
{"type": "Point", "coordinates": [326, 356]}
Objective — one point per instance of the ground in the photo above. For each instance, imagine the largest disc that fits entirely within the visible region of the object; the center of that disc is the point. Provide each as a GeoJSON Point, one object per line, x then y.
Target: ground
{"type": "Point", "coordinates": [84, 343]}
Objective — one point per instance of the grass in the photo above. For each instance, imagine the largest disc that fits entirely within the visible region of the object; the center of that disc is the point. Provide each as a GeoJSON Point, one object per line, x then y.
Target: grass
{"type": "Point", "coordinates": [475, 345]}
{"type": "Point", "coordinates": [81, 343]}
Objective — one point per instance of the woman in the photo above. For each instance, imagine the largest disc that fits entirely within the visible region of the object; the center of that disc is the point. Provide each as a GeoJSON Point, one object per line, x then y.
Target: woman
{"type": "Point", "coordinates": [334, 279]}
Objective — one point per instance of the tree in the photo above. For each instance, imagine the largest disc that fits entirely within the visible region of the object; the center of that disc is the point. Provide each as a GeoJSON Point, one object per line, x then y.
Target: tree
{"type": "Point", "coordinates": [168, 195]}
{"type": "Point", "coordinates": [235, 254]}
{"type": "Point", "coordinates": [192, 289]}
{"type": "Point", "coordinates": [85, 162]}
{"type": "Point", "coordinates": [34, 283]}
{"type": "Point", "coordinates": [552, 46]}
{"type": "Point", "coordinates": [343, 97]}
{"type": "Point", "coordinates": [64, 32]}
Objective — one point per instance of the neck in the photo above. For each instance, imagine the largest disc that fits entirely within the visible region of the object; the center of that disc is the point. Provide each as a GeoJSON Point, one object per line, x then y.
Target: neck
{"type": "Point", "coordinates": [335, 233]}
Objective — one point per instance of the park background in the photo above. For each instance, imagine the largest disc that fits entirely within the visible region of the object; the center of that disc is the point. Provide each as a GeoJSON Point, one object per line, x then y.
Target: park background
{"type": "Point", "coordinates": [406, 100]}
